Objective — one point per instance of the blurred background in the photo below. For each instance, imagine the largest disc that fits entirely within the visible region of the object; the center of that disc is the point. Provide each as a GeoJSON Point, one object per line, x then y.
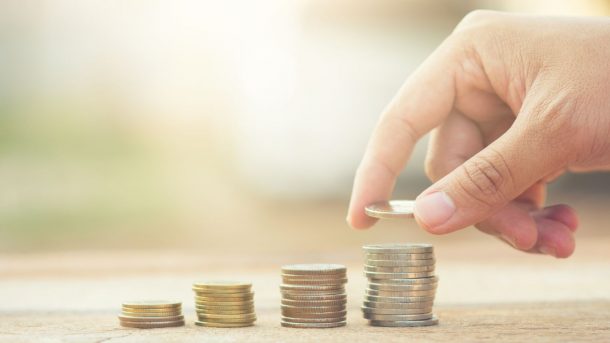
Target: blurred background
{"type": "Point", "coordinates": [229, 126]}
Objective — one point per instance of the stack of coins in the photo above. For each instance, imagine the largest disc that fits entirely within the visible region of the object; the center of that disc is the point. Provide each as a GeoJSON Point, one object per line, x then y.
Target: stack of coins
{"type": "Point", "coordinates": [402, 285]}
{"type": "Point", "coordinates": [151, 314]}
{"type": "Point", "coordinates": [224, 304]}
{"type": "Point", "coordinates": [313, 295]}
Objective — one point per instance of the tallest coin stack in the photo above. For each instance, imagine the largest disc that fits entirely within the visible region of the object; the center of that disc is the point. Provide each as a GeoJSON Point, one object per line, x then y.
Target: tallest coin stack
{"type": "Point", "coordinates": [402, 285]}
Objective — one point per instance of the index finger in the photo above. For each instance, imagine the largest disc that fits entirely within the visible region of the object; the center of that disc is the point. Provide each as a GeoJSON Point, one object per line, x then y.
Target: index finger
{"type": "Point", "coordinates": [422, 103]}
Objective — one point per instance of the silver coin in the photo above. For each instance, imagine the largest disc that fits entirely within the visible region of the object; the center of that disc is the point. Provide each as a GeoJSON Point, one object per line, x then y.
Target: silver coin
{"type": "Point", "coordinates": [398, 299]}
{"type": "Point", "coordinates": [391, 209]}
{"type": "Point", "coordinates": [382, 276]}
{"type": "Point", "coordinates": [399, 248]}
{"type": "Point", "coordinates": [397, 317]}
{"type": "Point", "coordinates": [402, 288]}
{"type": "Point", "coordinates": [312, 325]}
{"type": "Point", "coordinates": [290, 294]}
{"type": "Point", "coordinates": [312, 320]}
{"type": "Point", "coordinates": [396, 310]}
{"type": "Point", "coordinates": [401, 263]}
{"type": "Point", "coordinates": [315, 288]}
{"type": "Point", "coordinates": [310, 282]}
{"type": "Point", "coordinates": [406, 323]}
{"type": "Point", "coordinates": [315, 268]}
{"type": "Point", "coordinates": [317, 303]}
{"type": "Point", "coordinates": [314, 297]}
{"type": "Point", "coordinates": [420, 269]}
{"type": "Point", "coordinates": [427, 293]}
{"type": "Point", "coordinates": [399, 256]}
{"type": "Point", "coordinates": [398, 305]}
{"type": "Point", "coordinates": [336, 314]}
{"type": "Point", "coordinates": [403, 282]}
{"type": "Point", "coordinates": [312, 309]}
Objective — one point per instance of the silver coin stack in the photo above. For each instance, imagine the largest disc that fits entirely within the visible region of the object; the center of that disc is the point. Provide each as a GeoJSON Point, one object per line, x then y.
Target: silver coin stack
{"type": "Point", "coordinates": [313, 295]}
{"type": "Point", "coordinates": [401, 286]}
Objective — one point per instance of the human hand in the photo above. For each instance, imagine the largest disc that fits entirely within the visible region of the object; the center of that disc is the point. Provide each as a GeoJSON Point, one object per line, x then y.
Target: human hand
{"type": "Point", "coordinates": [513, 101]}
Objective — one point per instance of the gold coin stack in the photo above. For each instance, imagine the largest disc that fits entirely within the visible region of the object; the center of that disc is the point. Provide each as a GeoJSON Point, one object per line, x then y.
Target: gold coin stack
{"type": "Point", "coordinates": [313, 295]}
{"type": "Point", "coordinates": [402, 285]}
{"type": "Point", "coordinates": [151, 314]}
{"type": "Point", "coordinates": [224, 304]}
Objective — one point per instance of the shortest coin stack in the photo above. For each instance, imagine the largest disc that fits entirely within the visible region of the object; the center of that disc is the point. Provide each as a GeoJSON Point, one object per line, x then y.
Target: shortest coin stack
{"type": "Point", "coordinates": [224, 304]}
{"type": "Point", "coordinates": [151, 314]}
{"type": "Point", "coordinates": [313, 295]}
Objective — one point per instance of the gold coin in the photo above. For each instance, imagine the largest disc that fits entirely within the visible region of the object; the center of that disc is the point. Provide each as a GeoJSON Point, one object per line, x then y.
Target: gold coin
{"type": "Point", "coordinates": [223, 294]}
{"type": "Point", "coordinates": [151, 319]}
{"type": "Point", "coordinates": [223, 325]}
{"type": "Point", "coordinates": [150, 314]}
{"type": "Point", "coordinates": [151, 325]}
{"type": "Point", "coordinates": [222, 285]}
{"type": "Point", "coordinates": [226, 320]}
{"type": "Point", "coordinates": [224, 303]}
{"type": "Point", "coordinates": [206, 307]}
{"type": "Point", "coordinates": [309, 288]}
{"type": "Point", "coordinates": [313, 297]}
{"type": "Point", "coordinates": [152, 304]}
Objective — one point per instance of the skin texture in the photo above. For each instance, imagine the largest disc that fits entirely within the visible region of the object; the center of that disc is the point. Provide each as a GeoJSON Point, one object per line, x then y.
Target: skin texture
{"type": "Point", "coordinates": [513, 101]}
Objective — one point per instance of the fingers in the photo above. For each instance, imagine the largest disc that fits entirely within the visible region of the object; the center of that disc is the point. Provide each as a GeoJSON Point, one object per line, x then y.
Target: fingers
{"type": "Point", "coordinates": [451, 144]}
{"type": "Point", "coordinates": [555, 238]}
{"type": "Point", "coordinates": [422, 103]}
{"type": "Point", "coordinates": [514, 225]}
{"type": "Point", "coordinates": [486, 182]}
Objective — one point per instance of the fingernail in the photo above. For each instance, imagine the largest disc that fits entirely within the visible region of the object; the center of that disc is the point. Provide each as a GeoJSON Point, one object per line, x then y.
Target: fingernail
{"type": "Point", "coordinates": [434, 209]}
{"type": "Point", "coordinates": [547, 250]}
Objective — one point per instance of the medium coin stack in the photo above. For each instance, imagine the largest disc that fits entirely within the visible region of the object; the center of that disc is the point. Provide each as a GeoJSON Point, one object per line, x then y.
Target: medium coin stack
{"type": "Point", "coordinates": [402, 285]}
{"type": "Point", "coordinates": [313, 295]}
{"type": "Point", "coordinates": [224, 304]}
{"type": "Point", "coordinates": [151, 314]}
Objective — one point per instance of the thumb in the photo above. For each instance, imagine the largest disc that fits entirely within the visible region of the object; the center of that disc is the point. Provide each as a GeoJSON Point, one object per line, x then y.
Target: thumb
{"type": "Point", "coordinates": [487, 181]}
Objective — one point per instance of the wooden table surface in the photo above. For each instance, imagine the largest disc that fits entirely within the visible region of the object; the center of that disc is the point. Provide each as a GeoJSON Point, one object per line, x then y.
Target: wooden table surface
{"type": "Point", "coordinates": [486, 293]}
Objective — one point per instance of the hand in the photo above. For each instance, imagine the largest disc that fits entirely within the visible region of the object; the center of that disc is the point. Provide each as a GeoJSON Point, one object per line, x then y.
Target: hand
{"type": "Point", "coordinates": [513, 101]}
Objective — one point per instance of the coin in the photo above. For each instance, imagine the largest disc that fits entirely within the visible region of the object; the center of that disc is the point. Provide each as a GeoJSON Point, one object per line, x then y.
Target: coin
{"type": "Point", "coordinates": [224, 299]}
{"type": "Point", "coordinates": [389, 256]}
{"type": "Point", "coordinates": [381, 276]}
{"type": "Point", "coordinates": [312, 325]}
{"type": "Point", "coordinates": [314, 297]}
{"type": "Point", "coordinates": [397, 317]}
{"type": "Point", "coordinates": [295, 293]}
{"type": "Point", "coordinates": [227, 318]}
{"type": "Point", "coordinates": [401, 288]}
{"type": "Point", "coordinates": [410, 323]}
{"type": "Point", "coordinates": [224, 303]}
{"type": "Point", "coordinates": [401, 263]}
{"type": "Point", "coordinates": [391, 209]}
{"type": "Point", "coordinates": [312, 309]}
{"type": "Point", "coordinates": [312, 320]}
{"type": "Point", "coordinates": [427, 293]}
{"type": "Point", "coordinates": [317, 303]}
{"type": "Point", "coordinates": [151, 319]}
{"type": "Point", "coordinates": [152, 304]}
{"type": "Point", "coordinates": [420, 269]}
{"type": "Point", "coordinates": [398, 305]}
{"type": "Point", "coordinates": [398, 299]}
{"type": "Point", "coordinates": [223, 325]}
{"type": "Point", "coordinates": [151, 325]}
{"type": "Point", "coordinates": [150, 314]}
{"type": "Point", "coordinates": [399, 248]}
{"type": "Point", "coordinates": [336, 314]}
{"type": "Point", "coordinates": [224, 284]}
{"type": "Point", "coordinates": [312, 282]}
{"type": "Point", "coordinates": [208, 293]}
{"type": "Point", "coordinates": [312, 288]}
{"type": "Point", "coordinates": [299, 269]}
{"type": "Point", "coordinates": [396, 311]}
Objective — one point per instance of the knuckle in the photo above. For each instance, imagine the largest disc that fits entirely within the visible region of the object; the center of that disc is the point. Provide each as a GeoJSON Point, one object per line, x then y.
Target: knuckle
{"type": "Point", "coordinates": [485, 179]}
